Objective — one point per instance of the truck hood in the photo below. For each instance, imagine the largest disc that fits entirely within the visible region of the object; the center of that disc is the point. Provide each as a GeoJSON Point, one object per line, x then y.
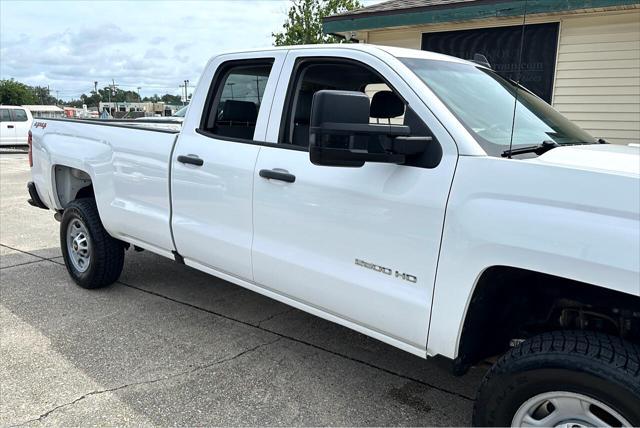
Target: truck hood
{"type": "Point", "coordinates": [607, 158]}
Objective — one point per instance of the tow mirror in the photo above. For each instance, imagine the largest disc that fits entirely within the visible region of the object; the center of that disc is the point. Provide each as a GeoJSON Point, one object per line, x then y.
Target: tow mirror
{"type": "Point", "coordinates": [340, 133]}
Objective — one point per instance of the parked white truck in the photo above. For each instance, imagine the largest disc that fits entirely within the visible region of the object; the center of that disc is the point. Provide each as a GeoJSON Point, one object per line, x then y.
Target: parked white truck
{"type": "Point", "coordinates": [390, 191]}
{"type": "Point", "coordinates": [15, 122]}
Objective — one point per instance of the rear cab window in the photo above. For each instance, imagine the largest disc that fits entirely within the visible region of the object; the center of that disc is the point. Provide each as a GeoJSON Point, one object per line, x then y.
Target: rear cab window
{"type": "Point", "coordinates": [235, 99]}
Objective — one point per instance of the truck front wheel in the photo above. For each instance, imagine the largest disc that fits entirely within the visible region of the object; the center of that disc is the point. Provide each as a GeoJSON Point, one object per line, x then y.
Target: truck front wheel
{"type": "Point", "coordinates": [93, 258]}
{"type": "Point", "coordinates": [563, 378]}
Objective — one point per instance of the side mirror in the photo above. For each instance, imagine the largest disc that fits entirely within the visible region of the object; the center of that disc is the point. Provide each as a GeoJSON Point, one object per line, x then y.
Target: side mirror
{"type": "Point", "coordinates": [340, 133]}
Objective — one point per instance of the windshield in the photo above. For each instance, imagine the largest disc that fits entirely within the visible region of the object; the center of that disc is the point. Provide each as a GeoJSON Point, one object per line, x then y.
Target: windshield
{"type": "Point", "coordinates": [182, 112]}
{"type": "Point", "coordinates": [484, 103]}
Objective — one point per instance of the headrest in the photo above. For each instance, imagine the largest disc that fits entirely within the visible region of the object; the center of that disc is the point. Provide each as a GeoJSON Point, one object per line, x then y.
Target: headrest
{"type": "Point", "coordinates": [239, 111]}
{"type": "Point", "coordinates": [385, 105]}
{"type": "Point", "coordinates": [303, 108]}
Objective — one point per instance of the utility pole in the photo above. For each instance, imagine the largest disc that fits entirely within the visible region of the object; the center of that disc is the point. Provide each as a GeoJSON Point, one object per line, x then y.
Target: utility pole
{"type": "Point", "coordinates": [95, 90]}
{"type": "Point", "coordinates": [112, 91]}
{"type": "Point", "coordinates": [139, 97]}
{"type": "Point", "coordinates": [230, 84]}
{"type": "Point", "coordinates": [186, 91]}
{"type": "Point", "coordinates": [258, 88]}
{"type": "Point", "coordinates": [183, 87]}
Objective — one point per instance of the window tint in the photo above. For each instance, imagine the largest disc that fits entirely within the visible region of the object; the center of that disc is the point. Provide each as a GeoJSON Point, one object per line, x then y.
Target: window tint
{"type": "Point", "coordinates": [386, 105]}
{"type": "Point", "coordinates": [4, 115]}
{"type": "Point", "coordinates": [238, 96]}
{"type": "Point", "coordinates": [19, 115]}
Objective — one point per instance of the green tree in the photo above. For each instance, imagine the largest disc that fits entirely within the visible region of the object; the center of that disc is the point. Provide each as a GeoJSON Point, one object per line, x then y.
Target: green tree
{"type": "Point", "coordinates": [304, 21]}
{"type": "Point", "coordinates": [171, 99]}
{"type": "Point", "coordinates": [43, 95]}
{"type": "Point", "coordinates": [15, 93]}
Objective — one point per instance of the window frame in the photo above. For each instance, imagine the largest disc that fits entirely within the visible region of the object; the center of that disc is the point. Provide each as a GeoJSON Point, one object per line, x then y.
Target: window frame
{"type": "Point", "coordinates": [294, 78]}
{"type": "Point", "coordinates": [215, 94]}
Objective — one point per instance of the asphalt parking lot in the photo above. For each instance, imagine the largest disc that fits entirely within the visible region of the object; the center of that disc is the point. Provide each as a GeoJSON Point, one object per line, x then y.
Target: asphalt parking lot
{"type": "Point", "coordinates": [168, 345]}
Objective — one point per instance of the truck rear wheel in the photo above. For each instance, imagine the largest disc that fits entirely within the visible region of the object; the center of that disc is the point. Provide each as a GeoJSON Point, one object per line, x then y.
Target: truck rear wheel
{"type": "Point", "coordinates": [563, 378]}
{"type": "Point", "coordinates": [93, 258]}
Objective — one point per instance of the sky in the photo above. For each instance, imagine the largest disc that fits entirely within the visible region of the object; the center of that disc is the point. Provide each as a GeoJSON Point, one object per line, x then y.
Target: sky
{"type": "Point", "coordinates": [154, 45]}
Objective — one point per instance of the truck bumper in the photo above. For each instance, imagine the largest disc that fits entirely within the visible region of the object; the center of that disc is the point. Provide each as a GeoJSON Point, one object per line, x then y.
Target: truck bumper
{"type": "Point", "coordinates": [35, 198]}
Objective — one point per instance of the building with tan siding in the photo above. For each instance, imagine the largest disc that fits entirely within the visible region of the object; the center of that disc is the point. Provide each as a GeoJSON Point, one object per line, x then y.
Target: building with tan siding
{"type": "Point", "coordinates": [581, 56]}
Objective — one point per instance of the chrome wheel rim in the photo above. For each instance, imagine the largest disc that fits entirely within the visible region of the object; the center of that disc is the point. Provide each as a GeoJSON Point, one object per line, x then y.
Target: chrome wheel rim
{"type": "Point", "coordinates": [566, 409]}
{"type": "Point", "coordinates": [78, 245]}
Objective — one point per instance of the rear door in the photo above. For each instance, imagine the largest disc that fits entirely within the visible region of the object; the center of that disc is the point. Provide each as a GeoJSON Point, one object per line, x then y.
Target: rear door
{"type": "Point", "coordinates": [214, 160]}
{"type": "Point", "coordinates": [7, 127]}
{"type": "Point", "coordinates": [357, 245]}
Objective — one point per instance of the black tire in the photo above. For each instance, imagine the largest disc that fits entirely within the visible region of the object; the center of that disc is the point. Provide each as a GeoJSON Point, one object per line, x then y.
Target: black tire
{"type": "Point", "coordinates": [107, 253]}
{"type": "Point", "coordinates": [595, 365]}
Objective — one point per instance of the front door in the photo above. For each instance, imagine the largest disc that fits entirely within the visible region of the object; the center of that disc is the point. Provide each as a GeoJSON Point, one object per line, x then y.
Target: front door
{"type": "Point", "coordinates": [359, 245]}
{"type": "Point", "coordinates": [213, 163]}
{"type": "Point", "coordinates": [7, 127]}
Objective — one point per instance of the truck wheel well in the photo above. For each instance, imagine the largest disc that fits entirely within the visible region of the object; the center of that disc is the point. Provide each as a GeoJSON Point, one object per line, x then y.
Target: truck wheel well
{"type": "Point", "coordinates": [72, 184]}
{"type": "Point", "coordinates": [511, 304]}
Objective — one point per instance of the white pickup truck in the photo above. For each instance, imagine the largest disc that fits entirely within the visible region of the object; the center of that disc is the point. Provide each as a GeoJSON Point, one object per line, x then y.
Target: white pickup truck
{"type": "Point", "coordinates": [385, 190]}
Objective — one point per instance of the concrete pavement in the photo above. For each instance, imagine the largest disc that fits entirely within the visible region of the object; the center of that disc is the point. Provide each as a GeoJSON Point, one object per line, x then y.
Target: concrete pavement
{"type": "Point", "coordinates": [168, 345]}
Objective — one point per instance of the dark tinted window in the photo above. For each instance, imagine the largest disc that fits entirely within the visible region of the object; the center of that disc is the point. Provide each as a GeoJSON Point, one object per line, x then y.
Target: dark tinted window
{"type": "Point", "coordinates": [5, 116]}
{"type": "Point", "coordinates": [19, 115]}
{"type": "Point", "coordinates": [238, 96]}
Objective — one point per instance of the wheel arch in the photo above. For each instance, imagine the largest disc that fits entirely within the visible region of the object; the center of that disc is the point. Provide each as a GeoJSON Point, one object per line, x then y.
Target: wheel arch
{"type": "Point", "coordinates": [71, 183]}
{"type": "Point", "coordinates": [509, 304]}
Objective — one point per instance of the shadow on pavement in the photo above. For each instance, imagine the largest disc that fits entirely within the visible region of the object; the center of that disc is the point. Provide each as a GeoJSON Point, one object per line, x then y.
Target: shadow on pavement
{"type": "Point", "coordinates": [179, 347]}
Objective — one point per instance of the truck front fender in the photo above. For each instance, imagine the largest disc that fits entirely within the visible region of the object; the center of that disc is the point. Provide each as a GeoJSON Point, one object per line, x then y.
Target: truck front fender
{"type": "Point", "coordinates": [557, 221]}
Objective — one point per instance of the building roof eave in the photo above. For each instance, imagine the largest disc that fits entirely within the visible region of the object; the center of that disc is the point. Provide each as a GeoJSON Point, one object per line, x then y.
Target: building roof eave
{"type": "Point", "coordinates": [461, 12]}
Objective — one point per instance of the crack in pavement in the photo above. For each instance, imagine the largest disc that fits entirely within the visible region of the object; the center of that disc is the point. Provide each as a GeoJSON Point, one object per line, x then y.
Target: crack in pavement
{"type": "Point", "coordinates": [49, 259]}
{"type": "Point", "coordinates": [277, 314]}
{"type": "Point", "coordinates": [24, 263]}
{"type": "Point", "coordinates": [146, 382]}
{"type": "Point", "coordinates": [281, 335]}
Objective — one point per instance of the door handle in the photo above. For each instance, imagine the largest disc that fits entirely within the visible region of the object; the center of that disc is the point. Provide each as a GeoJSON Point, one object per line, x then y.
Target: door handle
{"type": "Point", "coordinates": [191, 160]}
{"type": "Point", "coordinates": [277, 174]}
{"type": "Point", "coordinates": [10, 126]}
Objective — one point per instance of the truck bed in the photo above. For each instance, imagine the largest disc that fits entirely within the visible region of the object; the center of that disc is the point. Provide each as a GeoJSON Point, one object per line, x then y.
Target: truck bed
{"type": "Point", "coordinates": [128, 162]}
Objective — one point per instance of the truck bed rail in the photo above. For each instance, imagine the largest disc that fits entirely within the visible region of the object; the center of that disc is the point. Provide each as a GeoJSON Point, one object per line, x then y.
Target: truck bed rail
{"type": "Point", "coordinates": [121, 123]}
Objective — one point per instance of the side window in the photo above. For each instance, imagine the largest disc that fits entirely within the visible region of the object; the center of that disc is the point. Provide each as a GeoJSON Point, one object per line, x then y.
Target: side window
{"type": "Point", "coordinates": [4, 115]}
{"type": "Point", "coordinates": [19, 115]}
{"type": "Point", "coordinates": [383, 109]}
{"type": "Point", "coordinates": [386, 105]}
{"type": "Point", "coordinates": [235, 102]}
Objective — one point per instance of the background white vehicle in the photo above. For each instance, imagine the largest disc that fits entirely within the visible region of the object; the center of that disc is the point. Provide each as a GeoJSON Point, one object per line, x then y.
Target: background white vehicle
{"type": "Point", "coordinates": [15, 123]}
{"type": "Point", "coordinates": [385, 190]}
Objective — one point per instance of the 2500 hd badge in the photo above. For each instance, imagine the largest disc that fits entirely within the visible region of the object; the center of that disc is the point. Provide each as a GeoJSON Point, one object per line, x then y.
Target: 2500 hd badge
{"type": "Point", "coordinates": [387, 271]}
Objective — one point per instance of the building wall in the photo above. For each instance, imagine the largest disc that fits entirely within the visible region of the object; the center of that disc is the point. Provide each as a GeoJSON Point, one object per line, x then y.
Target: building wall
{"type": "Point", "coordinates": [597, 82]}
{"type": "Point", "coordinates": [598, 75]}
